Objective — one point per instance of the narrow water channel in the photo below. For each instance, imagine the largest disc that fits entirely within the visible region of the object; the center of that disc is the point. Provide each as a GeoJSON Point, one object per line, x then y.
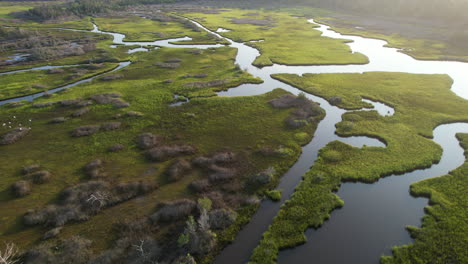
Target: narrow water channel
{"type": "Point", "coordinates": [386, 205]}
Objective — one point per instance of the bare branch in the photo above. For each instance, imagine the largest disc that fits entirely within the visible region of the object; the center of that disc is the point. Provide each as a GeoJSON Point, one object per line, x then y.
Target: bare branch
{"type": "Point", "coordinates": [8, 255]}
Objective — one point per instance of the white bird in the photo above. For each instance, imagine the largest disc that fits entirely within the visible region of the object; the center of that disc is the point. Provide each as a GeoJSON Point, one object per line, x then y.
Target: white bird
{"type": "Point", "coordinates": [14, 116]}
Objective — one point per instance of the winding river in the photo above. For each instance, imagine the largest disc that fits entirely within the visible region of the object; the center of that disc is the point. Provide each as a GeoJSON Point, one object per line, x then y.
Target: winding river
{"type": "Point", "coordinates": [374, 215]}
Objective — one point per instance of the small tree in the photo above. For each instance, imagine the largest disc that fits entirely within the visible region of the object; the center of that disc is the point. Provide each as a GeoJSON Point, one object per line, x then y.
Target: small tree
{"type": "Point", "coordinates": [8, 255]}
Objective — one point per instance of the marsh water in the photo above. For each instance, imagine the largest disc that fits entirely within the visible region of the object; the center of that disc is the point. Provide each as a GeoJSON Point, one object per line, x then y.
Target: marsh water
{"type": "Point", "coordinates": [374, 215]}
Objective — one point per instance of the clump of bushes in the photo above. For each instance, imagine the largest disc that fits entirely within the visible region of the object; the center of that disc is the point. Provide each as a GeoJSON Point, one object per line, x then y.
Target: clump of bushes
{"type": "Point", "coordinates": [85, 131]}
{"type": "Point", "coordinates": [41, 177]}
{"type": "Point", "coordinates": [206, 84]}
{"type": "Point", "coordinates": [147, 140]}
{"type": "Point", "coordinates": [30, 168]}
{"type": "Point", "coordinates": [261, 179]}
{"type": "Point", "coordinates": [116, 148]}
{"type": "Point", "coordinates": [94, 169]}
{"type": "Point", "coordinates": [106, 98]}
{"type": "Point", "coordinates": [80, 112]}
{"type": "Point", "coordinates": [174, 211]}
{"type": "Point", "coordinates": [112, 77]}
{"type": "Point", "coordinates": [21, 188]}
{"type": "Point", "coordinates": [52, 233]}
{"type": "Point", "coordinates": [163, 153]}
{"type": "Point", "coordinates": [305, 112]}
{"type": "Point", "coordinates": [335, 100]}
{"type": "Point", "coordinates": [178, 169]}
{"type": "Point", "coordinates": [111, 126]}
{"type": "Point", "coordinates": [274, 195]}
{"type": "Point", "coordinates": [167, 65]}
{"type": "Point", "coordinates": [72, 250]}
{"type": "Point", "coordinates": [14, 135]}
{"type": "Point", "coordinates": [200, 186]}
{"type": "Point", "coordinates": [80, 202]}
{"type": "Point", "coordinates": [58, 120]}
{"type": "Point", "coordinates": [221, 218]}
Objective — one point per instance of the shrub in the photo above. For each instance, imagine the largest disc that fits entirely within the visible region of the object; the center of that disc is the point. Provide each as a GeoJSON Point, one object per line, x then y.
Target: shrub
{"type": "Point", "coordinates": [106, 98]}
{"type": "Point", "coordinates": [81, 112]}
{"type": "Point", "coordinates": [85, 131]}
{"type": "Point", "coordinates": [21, 188]}
{"type": "Point", "coordinates": [274, 195]}
{"type": "Point", "coordinates": [94, 169]}
{"type": "Point", "coordinates": [199, 186]}
{"type": "Point", "coordinates": [147, 140]}
{"type": "Point", "coordinates": [30, 168]}
{"type": "Point", "coordinates": [220, 174]}
{"type": "Point", "coordinates": [111, 126]}
{"type": "Point", "coordinates": [112, 77]}
{"type": "Point", "coordinates": [205, 203]}
{"type": "Point", "coordinates": [178, 169]}
{"type": "Point", "coordinates": [174, 211]}
{"type": "Point", "coordinates": [80, 202]}
{"type": "Point", "coordinates": [52, 233]}
{"type": "Point", "coordinates": [263, 178]}
{"type": "Point", "coordinates": [221, 218]}
{"type": "Point", "coordinates": [58, 120]}
{"type": "Point", "coordinates": [335, 100]}
{"type": "Point", "coordinates": [41, 177]}
{"type": "Point", "coordinates": [73, 250]}
{"type": "Point", "coordinates": [13, 136]}
{"type": "Point", "coordinates": [116, 148]}
{"type": "Point", "coordinates": [163, 153]}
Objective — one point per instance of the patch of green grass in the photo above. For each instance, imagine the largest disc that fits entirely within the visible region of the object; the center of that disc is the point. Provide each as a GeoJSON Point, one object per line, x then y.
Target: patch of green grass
{"type": "Point", "coordinates": [443, 235]}
{"type": "Point", "coordinates": [30, 82]}
{"type": "Point", "coordinates": [6, 8]}
{"type": "Point", "coordinates": [418, 110]}
{"type": "Point", "coordinates": [287, 40]}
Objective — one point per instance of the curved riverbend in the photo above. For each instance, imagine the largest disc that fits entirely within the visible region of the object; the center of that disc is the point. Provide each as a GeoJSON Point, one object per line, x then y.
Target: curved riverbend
{"type": "Point", "coordinates": [358, 196]}
{"type": "Point", "coordinates": [372, 220]}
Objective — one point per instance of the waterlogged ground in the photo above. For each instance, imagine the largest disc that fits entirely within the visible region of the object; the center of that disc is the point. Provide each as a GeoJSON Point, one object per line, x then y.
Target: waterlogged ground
{"type": "Point", "coordinates": [263, 138]}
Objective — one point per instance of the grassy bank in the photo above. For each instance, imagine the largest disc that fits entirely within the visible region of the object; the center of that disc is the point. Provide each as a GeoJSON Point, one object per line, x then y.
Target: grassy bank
{"type": "Point", "coordinates": [443, 235]}
{"type": "Point", "coordinates": [286, 39]}
{"type": "Point", "coordinates": [418, 111]}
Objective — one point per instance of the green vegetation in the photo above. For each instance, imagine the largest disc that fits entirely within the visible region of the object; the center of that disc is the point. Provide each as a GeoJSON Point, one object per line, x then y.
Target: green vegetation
{"type": "Point", "coordinates": [140, 29]}
{"type": "Point", "coordinates": [209, 124]}
{"type": "Point", "coordinates": [287, 39]}
{"type": "Point", "coordinates": [274, 195]}
{"type": "Point", "coordinates": [30, 82]}
{"type": "Point", "coordinates": [418, 111]}
{"type": "Point", "coordinates": [442, 237]}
